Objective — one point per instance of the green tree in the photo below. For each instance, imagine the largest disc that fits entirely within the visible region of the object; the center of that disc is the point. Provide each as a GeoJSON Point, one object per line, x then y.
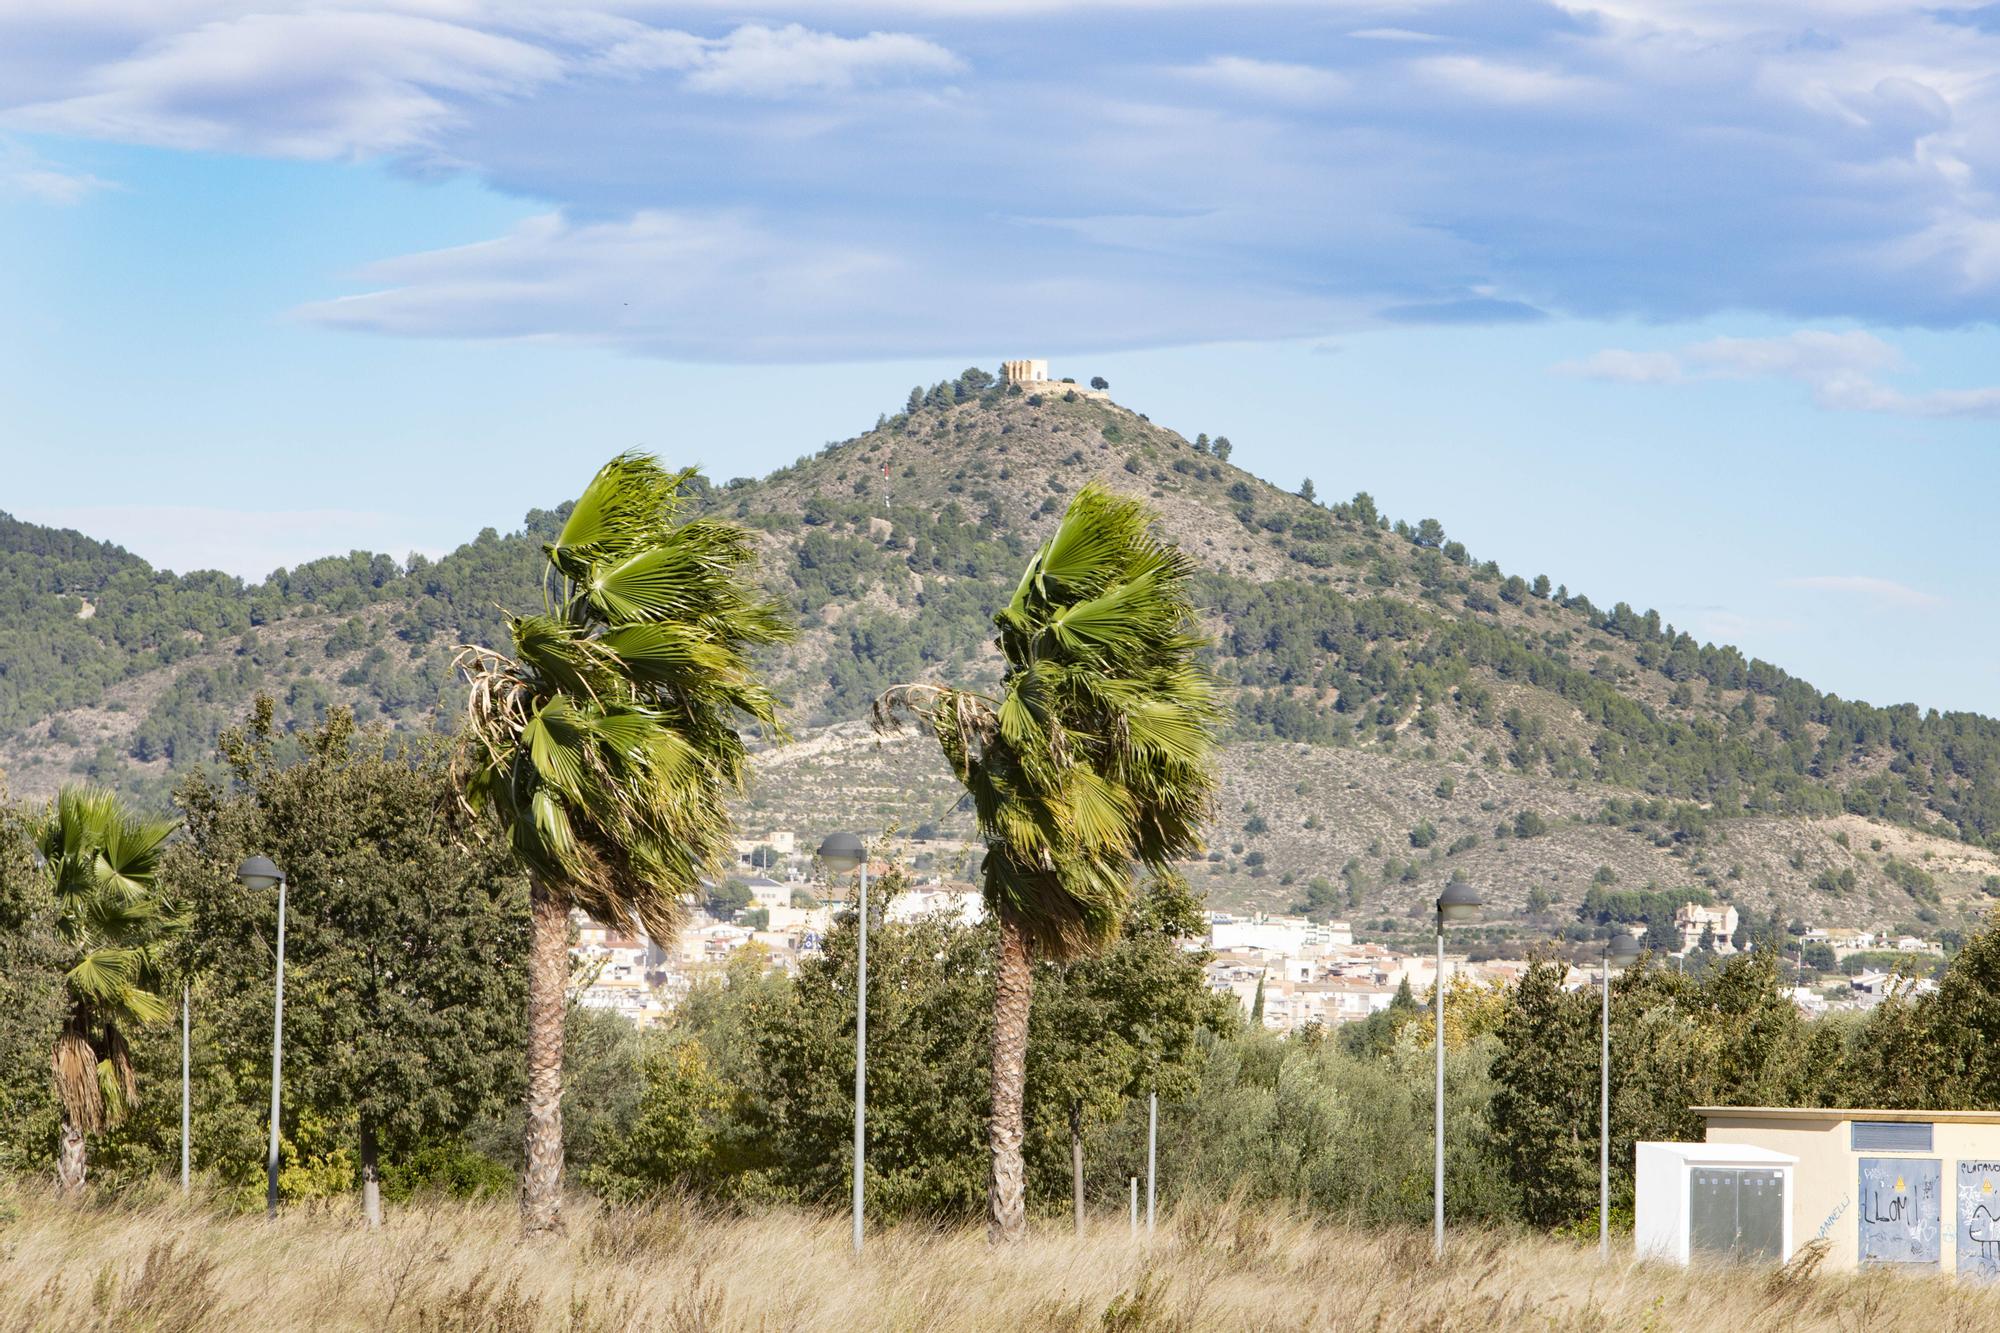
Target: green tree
{"type": "Point", "coordinates": [1109, 1029]}
{"type": "Point", "coordinates": [725, 899]}
{"type": "Point", "coordinates": [605, 747]}
{"type": "Point", "coordinates": [1099, 383]}
{"type": "Point", "coordinates": [1430, 533]}
{"type": "Point", "coordinates": [672, 1136]}
{"type": "Point", "coordinates": [111, 922]}
{"type": "Point", "coordinates": [1306, 491]}
{"type": "Point", "coordinates": [1096, 755]}
{"type": "Point", "coordinates": [1545, 1104]}
{"type": "Point", "coordinates": [930, 1007]}
{"type": "Point", "coordinates": [405, 937]}
{"type": "Point", "coordinates": [1938, 1051]}
{"type": "Point", "coordinates": [32, 1000]}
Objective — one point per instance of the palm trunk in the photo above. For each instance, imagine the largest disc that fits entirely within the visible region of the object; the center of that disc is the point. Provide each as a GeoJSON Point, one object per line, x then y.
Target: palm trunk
{"type": "Point", "coordinates": [371, 1176]}
{"type": "Point", "coordinates": [1076, 1161]}
{"type": "Point", "coordinates": [548, 974]}
{"type": "Point", "coordinates": [1013, 988]}
{"type": "Point", "coordinates": [72, 1161]}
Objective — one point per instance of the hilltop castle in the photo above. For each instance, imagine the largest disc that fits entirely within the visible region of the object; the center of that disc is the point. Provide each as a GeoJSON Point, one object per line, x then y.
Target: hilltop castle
{"type": "Point", "coordinates": [1034, 376]}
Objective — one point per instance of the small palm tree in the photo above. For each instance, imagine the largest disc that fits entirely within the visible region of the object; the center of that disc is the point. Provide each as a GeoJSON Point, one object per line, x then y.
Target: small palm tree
{"type": "Point", "coordinates": [101, 862]}
{"type": "Point", "coordinates": [605, 746]}
{"type": "Point", "coordinates": [1095, 756]}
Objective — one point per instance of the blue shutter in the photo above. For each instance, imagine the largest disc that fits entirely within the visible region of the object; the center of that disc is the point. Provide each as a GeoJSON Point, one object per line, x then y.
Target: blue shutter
{"type": "Point", "coordinates": [1892, 1136]}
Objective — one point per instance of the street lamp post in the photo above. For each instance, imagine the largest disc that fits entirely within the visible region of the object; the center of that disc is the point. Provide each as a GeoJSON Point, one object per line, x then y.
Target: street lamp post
{"type": "Point", "coordinates": [260, 873]}
{"type": "Point", "coordinates": [1458, 903]}
{"type": "Point", "coordinates": [1619, 950]}
{"type": "Point", "coordinates": [842, 852]}
{"type": "Point", "coordinates": [186, 1097]}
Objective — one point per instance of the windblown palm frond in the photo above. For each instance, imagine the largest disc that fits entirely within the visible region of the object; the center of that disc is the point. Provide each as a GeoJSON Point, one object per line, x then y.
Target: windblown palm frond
{"type": "Point", "coordinates": [605, 744]}
{"type": "Point", "coordinates": [1096, 754]}
{"type": "Point", "coordinates": [101, 862]}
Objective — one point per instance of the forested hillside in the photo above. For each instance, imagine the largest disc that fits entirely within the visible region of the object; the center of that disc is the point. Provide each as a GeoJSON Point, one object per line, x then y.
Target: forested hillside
{"type": "Point", "coordinates": [1405, 711]}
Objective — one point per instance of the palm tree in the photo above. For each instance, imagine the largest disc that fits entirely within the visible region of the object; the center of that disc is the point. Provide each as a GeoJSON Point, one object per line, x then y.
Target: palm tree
{"type": "Point", "coordinates": [101, 862]}
{"type": "Point", "coordinates": [604, 747]}
{"type": "Point", "coordinates": [1095, 755]}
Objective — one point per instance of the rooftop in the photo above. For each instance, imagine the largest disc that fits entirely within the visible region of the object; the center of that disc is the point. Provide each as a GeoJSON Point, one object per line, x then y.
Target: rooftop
{"type": "Point", "coordinates": [1834, 1113]}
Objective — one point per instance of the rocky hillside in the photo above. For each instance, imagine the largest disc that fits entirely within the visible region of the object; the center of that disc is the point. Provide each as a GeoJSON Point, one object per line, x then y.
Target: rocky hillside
{"type": "Point", "coordinates": [1404, 711]}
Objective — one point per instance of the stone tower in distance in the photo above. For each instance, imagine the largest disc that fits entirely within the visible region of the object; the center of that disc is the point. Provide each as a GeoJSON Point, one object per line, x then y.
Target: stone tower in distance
{"type": "Point", "coordinates": [1024, 372]}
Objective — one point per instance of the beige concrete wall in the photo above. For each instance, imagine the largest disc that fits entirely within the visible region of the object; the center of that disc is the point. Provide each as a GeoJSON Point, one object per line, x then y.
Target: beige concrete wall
{"type": "Point", "coordinates": [1825, 1192]}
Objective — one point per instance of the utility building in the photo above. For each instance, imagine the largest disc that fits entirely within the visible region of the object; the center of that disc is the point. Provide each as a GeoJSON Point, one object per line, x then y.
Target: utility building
{"type": "Point", "coordinates": [1916, 1190]}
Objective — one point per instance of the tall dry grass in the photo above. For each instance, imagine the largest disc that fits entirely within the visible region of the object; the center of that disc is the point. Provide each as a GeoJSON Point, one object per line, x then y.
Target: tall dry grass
{"type": "Point", "coordinates": [167, 1267]}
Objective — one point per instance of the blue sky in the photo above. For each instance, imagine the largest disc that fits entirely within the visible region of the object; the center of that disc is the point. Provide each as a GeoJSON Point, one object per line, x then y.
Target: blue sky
{"type": "Point", "coordinates": [1684, 302]}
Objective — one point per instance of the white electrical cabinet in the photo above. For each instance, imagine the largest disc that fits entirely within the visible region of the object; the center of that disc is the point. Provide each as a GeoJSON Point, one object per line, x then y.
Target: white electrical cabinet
{"type": "Point", "coordinates": [1712, 1201]}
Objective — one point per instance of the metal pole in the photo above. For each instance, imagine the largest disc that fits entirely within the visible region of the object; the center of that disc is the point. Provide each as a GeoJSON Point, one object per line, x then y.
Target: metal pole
{"type": "Point", "coordinates": [1437, 1183]}
{"type": "Point", "coordinates": [277, 1064]}
{"type": "Point", "coordinates": [1135, 1208]}
{"type": "Point", "coordinates": [860, 1053]}
{"type": "Point", "coordinates": [184, 1088]}
{"type": "Point", "coordinates": [1152, 1156]}
{"type": "Point", "coordinates": [1604, 1121]}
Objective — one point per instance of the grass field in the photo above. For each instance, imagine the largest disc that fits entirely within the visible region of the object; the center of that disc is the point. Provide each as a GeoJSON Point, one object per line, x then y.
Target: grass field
{"type": "Point", "coordinates": [443, 1268]}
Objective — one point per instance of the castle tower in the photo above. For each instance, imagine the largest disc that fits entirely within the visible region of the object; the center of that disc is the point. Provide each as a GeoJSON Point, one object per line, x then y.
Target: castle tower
{"type": "Point", "coordinates": [1024, 372]}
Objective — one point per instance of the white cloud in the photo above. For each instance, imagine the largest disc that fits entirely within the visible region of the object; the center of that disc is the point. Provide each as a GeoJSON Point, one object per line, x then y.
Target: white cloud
{"type": "Point", "coordinates": [338, 82]}
{"type": "Point", "coordinates": [1841, 369]}
{"type": "Point", "coordinates": [25, 172]}
{"type": "Point", "coordinates": [1648, 159]}
{"type": "Point", "coordinates": [1269, 80]}
{"type": "Point", "coordinates": [1478, 78]}
{"type": "Point", "coordinates": [54, 187]}
{"type": "Point", "coordinates": [1812, 355]}
{"type": "Point", "coordinates": [759, 61]}
{"type": "Point", "coordinates": [1394, 35]}
{"type": "Point", "coordinates": [1622, 367]}
{"type": "Point", "coordinates": [314, 85]}
{"type": "Point", "coordinates": [1874, 589]}
{"type": "Point", "coordinates": [731, 286]}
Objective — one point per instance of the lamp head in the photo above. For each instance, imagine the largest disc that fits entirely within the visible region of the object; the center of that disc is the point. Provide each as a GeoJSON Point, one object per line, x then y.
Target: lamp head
{"type": "Point", "coordinates": [259, 872]}
{"type": "Point", "coordinates": [842, 852]}
{"type": "Point", "coordinates": [1458, 903]}
{"type": "Point", "coordinates": [1621, 950]}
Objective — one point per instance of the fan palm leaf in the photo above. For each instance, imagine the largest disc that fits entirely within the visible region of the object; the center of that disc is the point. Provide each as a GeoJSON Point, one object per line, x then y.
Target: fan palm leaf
{"type": "Point", "coordinates": [1096, 756]}
{"type": "Point", "coordinates": [101, 861]}
{"type": "Point", "coordinates": [604, 746]}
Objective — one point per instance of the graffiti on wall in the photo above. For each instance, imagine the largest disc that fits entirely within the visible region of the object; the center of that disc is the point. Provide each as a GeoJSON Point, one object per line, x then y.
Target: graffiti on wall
{"type": "Point", "coordinates": [1901, 1210]}
{"type": "Point", "coordinates": [1979, 1219]}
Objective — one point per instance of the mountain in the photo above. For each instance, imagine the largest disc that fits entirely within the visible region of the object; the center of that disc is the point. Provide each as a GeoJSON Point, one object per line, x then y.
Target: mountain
{"type": "Point", "coordinates": [1403, 710]}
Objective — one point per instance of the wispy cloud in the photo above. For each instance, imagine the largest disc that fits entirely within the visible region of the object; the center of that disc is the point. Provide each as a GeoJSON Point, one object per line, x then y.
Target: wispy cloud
{"type": "Point", "coordinates": [1479, 78]}
{"type": "Point", "coordinates": [339, 82]}
{"type": "Point", "coordinates": [1269, 80]}
{"type": "Point", "coordinates": [1424, 159]}
{"type": "Point", "coordinates": [1394, 35]}
{"type": "Point", "coordinates": [25, 172]}
{"type": "Point", "coordinates": [1885, 591]}
{"type": "Point", "coordinates": [1842, 369]}
{"type": "Point", "coordinates": [731, 286]}
{"type": "Point", "coordinates": [759, 61]}
{"type": "Point", "coordinates": [311, 85]}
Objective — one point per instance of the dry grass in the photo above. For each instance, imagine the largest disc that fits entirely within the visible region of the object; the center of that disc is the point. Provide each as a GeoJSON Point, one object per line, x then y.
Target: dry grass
{"type": "Point", "coordinates": [443, 1268]}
